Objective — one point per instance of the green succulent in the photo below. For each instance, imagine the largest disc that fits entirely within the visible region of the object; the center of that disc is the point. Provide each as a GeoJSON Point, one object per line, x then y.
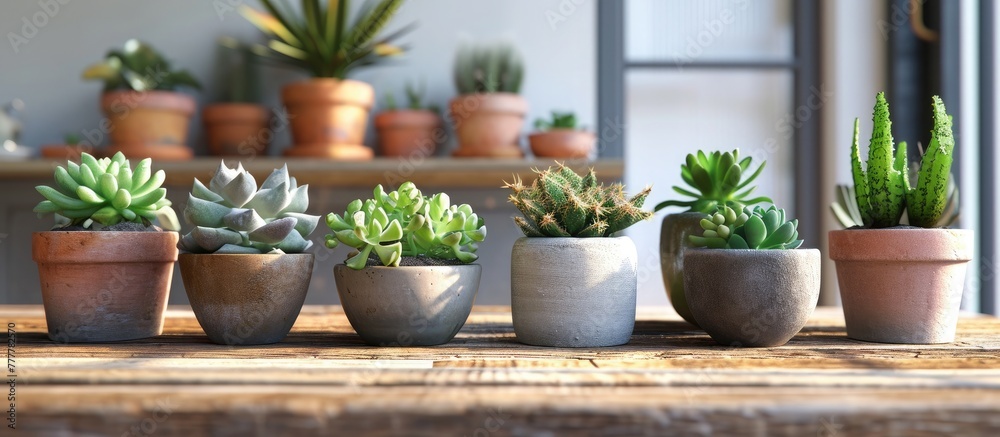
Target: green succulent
{"type": "Point", "coordinates": [757, 228]}
{"type": "Point", "coordinates": [405, 223]}
{"type": "Point", "coordinates": [106, 191]}
{"type": "Point", "coordinates": [717, 179]}
{"type": "Point", "coordinates": [231, 216]}
{"type": "Point", "coordinates": [138, 67]}
{"type": "Point", "coordinates": [488, 69]}
{"type": "Point", "coordinates": [561, 203]}
{"type": "Point", "coordinates": [560, 120]}
{"type": "Point", "coordinates": [414, 97]}
{"type": "Point", "coordinates": [845, 207]}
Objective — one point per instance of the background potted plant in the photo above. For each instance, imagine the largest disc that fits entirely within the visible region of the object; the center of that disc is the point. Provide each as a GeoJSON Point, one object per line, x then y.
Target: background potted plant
{"type": "Point", "coordinates": [243, 264]}
{"type": "Point", "coordinates": [70, 149]}
{"type": "Point", "coordinates": [748, 287]}
{"type": "Point", "coordinates": [106, 272]}
{"type": "Point", "coordinates": [560, 137]}
{"type": "Point", "coordinates": [235, 127]}
{"type": "Point", "coordinates": [714, 179]}
{"type": "Point", "coordinates": [328, 113]}
{"type": "Point", "coordinates": [148, 117]}
{"type": "Point", "coordinates": [488, 113]}
{"type": "Point", "coordinates": [410, 280]}
{"type": "Point", "coordinates": [411, 131]}
{"type": "Point", "coordinates": [902, 284]}
{"type": "Point", "coordinates": [573, 284]}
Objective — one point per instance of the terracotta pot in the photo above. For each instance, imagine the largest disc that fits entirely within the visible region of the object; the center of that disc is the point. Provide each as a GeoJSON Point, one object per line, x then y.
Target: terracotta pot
{"type": "Point", "coordinates": [102, 286]}
{"type": "Point", "coordinates": [407, 306]}
{"type": "Point", "coordinates": [246, 299]}
{"type": "Point", "coordinates": [752, 298]}
{"type": "Point", "coordinates": [406, 133]}
{"type": "Point", "coordinates": [901, 285]}
{"type": "Point", "coordinates": [328, 118]}
{"type": "Point", "coordinates": [488, 124]}
{"type": "Point", "coordinates": [673, 244]}
{"type": "Point", "coordinates": [66, 152]}
{"type": "Point", "coordinates": [562, 143]}
{"type": "Point", "coordinates": [151, 124]}
{"type": "Point", "coordinates": [237, 129]}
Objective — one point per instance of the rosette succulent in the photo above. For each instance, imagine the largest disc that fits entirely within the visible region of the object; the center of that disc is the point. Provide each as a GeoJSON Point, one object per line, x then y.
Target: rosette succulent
{"type": "Point", "coordinates": [718, 178]}
{"type": "Point", "coordinates": [231, 216]}
{"type": "Point", "coordinates": [756, 228]}
{"type": "Point", "coordinates": [405, 223]}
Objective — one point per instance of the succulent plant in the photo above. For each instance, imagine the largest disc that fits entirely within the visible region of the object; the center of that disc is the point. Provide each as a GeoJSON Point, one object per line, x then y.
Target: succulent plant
{"type": "Point", "coordinates": [756, 228]}
{"type": "Point", "coordinates": [560, 120]}
{"type": "Point", "coordinates": [561, 203]}
{"type": "Point", "coordinates": [232, 216]}
{"type": "Point", "coordinates": [139, 67]}
{"type": "Point", "coordinates": [718, 178]}
{"type": "Point", "coordinates": [414, 97]}
{"type": "Point", "coordinates": [106, 191]}
{"type": "Point", "coordinates": [488, 69]}
{"type": "Point", "coordinates": [405, 223]}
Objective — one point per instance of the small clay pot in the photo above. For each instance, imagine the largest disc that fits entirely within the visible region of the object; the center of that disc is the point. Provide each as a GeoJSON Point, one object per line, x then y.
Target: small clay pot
{"type": "Point", "coordinates": [328, 118]}
{"type": "Point", "coordinates": [902, 285]}
{"type": "Point", "coordinates": [673, 244]}
{"type": "Point", "coordinates": [149, 124]}
{"type": "Point", "coordinates": [752, 298]}
{"type": "Point", "coordinates": [573, 292]}
{"type": "Point", "coordinates": [407, 305]}
{"type": "Point", "coordinates": [246, 299]}
{"type": "Point", "coordinates": [405, 133]}
{"type": "Point", "coordinates": [101, 286]}
{"type": "Point", "coordinates": [489, 124]}
{"type": "Point", "coordinates": [237, 129]}
{"type": "Point", "coordinates": [562, 143]}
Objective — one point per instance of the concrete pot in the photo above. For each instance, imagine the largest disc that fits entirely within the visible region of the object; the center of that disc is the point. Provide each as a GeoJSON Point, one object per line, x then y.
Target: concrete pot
{"type": "Point", "coordinates": [488, 124]}
{"type": "Point", "coordinates": [407, 306]}
{"type": "Point", "coordinates": [246, 299]}
{"type": "Point", "coordinates": [752, 298]}
{"type": "Point", "coordinates": [673, 244]}
{"type": "Point", "coordinates": [100, 286]}
{"type": "Point", "coordinates": [573, 292]}
{"type": "Point", "coordinates": [901, 285]}
{"type": "Point", "coordinates": [328, 118]}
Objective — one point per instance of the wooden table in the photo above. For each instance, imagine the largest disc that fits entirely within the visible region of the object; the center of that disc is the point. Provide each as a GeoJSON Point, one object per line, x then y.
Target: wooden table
{"type": "Point", "coordinates": [670, 380]}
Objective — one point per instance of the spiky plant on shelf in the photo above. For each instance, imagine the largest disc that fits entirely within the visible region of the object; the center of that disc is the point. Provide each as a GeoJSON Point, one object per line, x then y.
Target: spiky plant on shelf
{"type": "Point", "coordinates": [756, 228]}
{"type": "Point", "coordinates": [488, 69]}
{"type": "Point", "coordinates": [488, 113]}
{"type": "Point", "coordinates": [717, 178]}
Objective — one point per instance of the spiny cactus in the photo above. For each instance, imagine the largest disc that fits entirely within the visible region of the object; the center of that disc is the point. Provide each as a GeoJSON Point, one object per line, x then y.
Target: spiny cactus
{"type": "Point", "coordinates": [106, 191]}
{"type": "Point", "coordinates": [496, 69]}
{"type": "Point", "coordinates": [717, 178]}
{"type": "Point", "coordinates": [561, 203]}
{"type": "Point", "coordinates": [231, 216]}
{"type": "Point", "coordinates": [755, 228]}
{"type": "Point", "coordinates": [406, 223]}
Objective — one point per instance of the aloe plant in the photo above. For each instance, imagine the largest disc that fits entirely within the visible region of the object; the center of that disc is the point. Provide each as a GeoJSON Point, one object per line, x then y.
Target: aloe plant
{"type": "Point", "coordinates": [138, 67]}
{"type": "Point", "coordinates": [845, 206]}
{"type": "Point", "coordinates": [488, 69]}
{"type": "Point", "coordinates": [756, 228]}
{"type": "Point", "coordinates": [560, 120]}
{"type": "Point", "coordinates": [717, 178]}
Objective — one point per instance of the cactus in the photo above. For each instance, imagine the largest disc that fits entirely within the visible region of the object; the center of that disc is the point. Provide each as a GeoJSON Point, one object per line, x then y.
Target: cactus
{"type": "Point", "coordinates": [756, 228]}
{"type": "Point", "coordinates": [560, 120]}
{"type": "Point", "coordinates": [106, 191]}
{"type": "Point", "coordinates": [405, 223]}
{"type": "Point", "coordinates": [231, 216]}
{"type": "Point", "coordinates": [845, 207]}
{"type": "Point", "coordinates": [717, 178]}
{"type": "Point", "coordinates": [496, 69]}
{"type": "Point", "coordinates": [561, 203]}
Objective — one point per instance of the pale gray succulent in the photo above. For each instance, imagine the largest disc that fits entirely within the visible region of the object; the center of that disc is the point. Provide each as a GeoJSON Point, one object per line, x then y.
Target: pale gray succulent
{"type": "Point", "coordinates": [231, 216]}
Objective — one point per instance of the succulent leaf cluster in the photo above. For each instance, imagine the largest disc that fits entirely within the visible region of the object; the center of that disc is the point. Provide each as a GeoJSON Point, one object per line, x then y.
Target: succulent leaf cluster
{"type": "Point", "coordinates": [405, 223]}
{"type": "Point", "coordinates": [559, 120]}
{"type": "Point", "coordinates": [717, 178]}
{"type": "Point", "coordinates": [138, 67]}
{"type": "Point", "coordinates": [488, 69]}
{"type": "Point", "coordinates": [106, 191]}
{"type": "Point", "coordinates": [756, 228]}
{"type": "Point", "coordinates": [231, 216]}
{"type": "Point", "coordinates": [561, 203]}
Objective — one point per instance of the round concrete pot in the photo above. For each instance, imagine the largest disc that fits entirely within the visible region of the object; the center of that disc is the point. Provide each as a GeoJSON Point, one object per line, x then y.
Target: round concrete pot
{"type": "Point", "coordinates": [752, 298]}
{"type": "Point", "coordinates": [246, 299]}
{"type": "Point", "coordinates": [407, 306]}
{"type": "Point", "coordinates": [673, 244]}
{"type": "Point", "coordinates": [104, 286]}
{"type": "Point", "coordinates": [901, 285]}
{"type": "Point", "coordinates": [573, 292]}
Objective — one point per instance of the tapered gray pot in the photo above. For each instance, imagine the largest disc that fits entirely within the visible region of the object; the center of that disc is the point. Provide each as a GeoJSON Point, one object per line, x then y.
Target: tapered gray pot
{"type": "Point", "coordinates": [573, 292]}
{"type": "Point", "coordinates": [752, 298]}
{"type": "Point", "coordinates": [673, 243]}
{"type": "Point", "coordinates": [408, 305]}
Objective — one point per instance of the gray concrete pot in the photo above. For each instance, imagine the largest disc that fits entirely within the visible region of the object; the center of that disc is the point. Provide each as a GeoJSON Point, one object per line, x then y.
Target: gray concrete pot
{"type": "Point", "coordinates": [753, 298]}
{"type": "Point", "coordinates": [673, 243]}
{"type": "Point", "coordinates": [573, 292]}
{"type": "Point", "coordinates": [410, 305]}
{"type": "Point", "coordinates": [246, 299]}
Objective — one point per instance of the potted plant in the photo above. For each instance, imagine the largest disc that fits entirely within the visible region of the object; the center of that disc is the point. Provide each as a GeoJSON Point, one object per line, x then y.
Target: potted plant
{"type": "Point", "coordinates": [106, 272]}
{"type": "Point", "coordinates": [714, 179]}
{"type": "Point", "coordinates": [147, 117]}
{"type": "Point", "coordinates": [410, 280]}
{"type": "Point", "coordinates": [328, 113]}
{"type": "Point", "coordinates": [561, 138]}
{"type": "Point", "coordinates": [243, 264]}
{"type": "Point", "coordinates": [488, 113]}
{"type": "Point", "coordinates": [902, 284]}
{"type": "Point", "coordinates": [748, 287]}
{"type": "Point", "coordinates": [411, 131]}
{"type": "Point", "coordinates": [573, 283]}
{"type": "Point", "coordinates": [237, 127]}
{"type": "Point", "coordinates": [70, 149]}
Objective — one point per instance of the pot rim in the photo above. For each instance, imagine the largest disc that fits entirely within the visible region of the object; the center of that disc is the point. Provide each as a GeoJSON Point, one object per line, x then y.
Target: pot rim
{"type": "Point", "coordinates": [502, 103]}
{"type": "Point", "coordinates": [189, 254]}
{"type": "Point", "coordinates": [156, 99]}
{"type": "Point", "coordinates": [346, 92]}
{"type": "Point", "coordinates": [562, 132]}
{"type": "Point", "coordinates": [891, 244]}
{"type": "Point", "coordinates": [753, 253]}
{"type": "Point", "coordinates": [168, 252]}
{"type": "Point", "coordinates": [342, 265]}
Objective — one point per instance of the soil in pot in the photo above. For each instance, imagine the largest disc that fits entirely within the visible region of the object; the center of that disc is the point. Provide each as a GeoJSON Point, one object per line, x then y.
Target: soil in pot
{"type": "Point", "coordinates": [150, 124]}
{"type": "Point", "coordinates": [328, 118]}
{"type": "Point", "coordinates": [673, 245]}
{"type": "Point", "coordinates": [408, 133]}
{"type": "Point", "coordinates": [488, 125]}
{"type": "Point", "coordinates": [562, 143]}
{"type": "Point", "coordinates": [237, 129]}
